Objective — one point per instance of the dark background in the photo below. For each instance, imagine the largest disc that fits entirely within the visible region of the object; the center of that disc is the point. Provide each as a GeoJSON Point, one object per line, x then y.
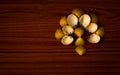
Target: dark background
{"type": "Point", "coordinates": [28, 46]}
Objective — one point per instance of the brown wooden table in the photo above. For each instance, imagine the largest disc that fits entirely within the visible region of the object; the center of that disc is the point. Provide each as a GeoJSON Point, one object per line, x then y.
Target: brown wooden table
{"type": "Point", "coordinates": [28, 46]}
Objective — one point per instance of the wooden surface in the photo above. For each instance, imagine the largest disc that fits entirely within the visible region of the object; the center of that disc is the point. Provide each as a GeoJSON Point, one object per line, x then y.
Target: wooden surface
{"type": "Point", "coordinates": [28, 46]}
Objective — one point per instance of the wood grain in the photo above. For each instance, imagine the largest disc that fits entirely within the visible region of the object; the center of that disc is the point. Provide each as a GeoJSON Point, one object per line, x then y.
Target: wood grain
{"type": "Point", "coordinates": [28, 46]}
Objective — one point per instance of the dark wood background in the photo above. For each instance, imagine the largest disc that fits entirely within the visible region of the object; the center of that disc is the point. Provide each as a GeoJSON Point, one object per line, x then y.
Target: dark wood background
{"type": "Point", "coordinates": [28, 46]}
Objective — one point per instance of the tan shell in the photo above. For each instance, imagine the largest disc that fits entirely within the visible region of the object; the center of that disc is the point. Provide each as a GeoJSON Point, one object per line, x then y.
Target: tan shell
{"type": "Point", "coordinates": [85, 20]}
{"type": "Point", "coordinates": [94, 18]}
{"type": "Point", "coordinates": [67, 29]}
{"type": "Point", "coordinates": [59, 34]}
{"type": "Point", "coordinates": [100, 31]}
{"type": "Point", "coordinates": [67, 40]}
{"type": "Point", "coordinates": [77, 12]}
{"type": "Point", "coordinates": [72, 20]}
{"type": "Point", "coordinates": [80, 50]}
{"type": "Point", "coordinates": [63, 21]}
{"type": "Point", "coordinates": [92, 27]}
{"type": "Point", "coordinates": [79, 32]}
{"type": "Point", "coordinates": [94, 38]}
{"type": "Point", "coordinates": [79, 41]}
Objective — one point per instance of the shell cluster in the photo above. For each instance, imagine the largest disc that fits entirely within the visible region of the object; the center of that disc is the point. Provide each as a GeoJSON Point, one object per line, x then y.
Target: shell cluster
{"type": "Point", "coordinates": [77, 24]}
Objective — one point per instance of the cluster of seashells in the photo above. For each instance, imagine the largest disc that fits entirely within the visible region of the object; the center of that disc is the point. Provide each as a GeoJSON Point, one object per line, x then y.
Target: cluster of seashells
{"type": "Point", "coordinates": [75, 26]}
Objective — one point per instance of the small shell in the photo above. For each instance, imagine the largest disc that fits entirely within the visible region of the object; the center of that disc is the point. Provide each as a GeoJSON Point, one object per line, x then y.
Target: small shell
{"type": "Point", "coordinates": [67, 29]}
{"type": "Point", "coordinates": [92, 27]}
{"type": "Point", "coordinates": [100, 31]}
{"type": "Point", "coordinates": [94, 18]}
{"type": "Point", "coordinates": [58, 34]}
{"type": "Point", "coordinates": [94, 38]}
{"type": "Point", "coordinates": [67, 40]}
{"type": "Point", "coordinates": [80, 50]}
{"type": "Point", "coordinates": [79, 32]}
{"type": "Point", "coordinates": [77, 12]}
{"type": "Point", "coordinates": [85, 20]}
{"type": "Point", "coordinates": [72, 20]}
{"type": "Point", "coordinates": [63, 21]}
{"type": "Point", "coordinates": [79, 42]}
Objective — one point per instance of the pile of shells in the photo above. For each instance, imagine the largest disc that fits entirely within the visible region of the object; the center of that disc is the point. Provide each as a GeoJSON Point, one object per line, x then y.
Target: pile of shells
{"type": "Point", "coordinates": [75, 26]}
